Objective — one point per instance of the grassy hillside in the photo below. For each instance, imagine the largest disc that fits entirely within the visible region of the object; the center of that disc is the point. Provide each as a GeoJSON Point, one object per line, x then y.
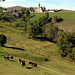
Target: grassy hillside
{"type": "Point", "coordinates": [36, 50]}
{"type": "Point", "coordinates": [14, 7]}
{"type": "Point", "coordinates": [68, 24]}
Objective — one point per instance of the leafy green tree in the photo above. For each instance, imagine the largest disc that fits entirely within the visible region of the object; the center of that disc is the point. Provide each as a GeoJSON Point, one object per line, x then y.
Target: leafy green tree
{"type": "Point", "coordinates": [46, 15]}
{"type": "Point", "coordinates": [54, 18]}
{"type": "Point", "coordinates": [26, 20]}
{"type": "Point", "coordinates": [64, 44]}
{"type": "Point", "coordinates": [50, 31]}
{"type": "Point", "coordinates": [2, 39]}
{"type": "Point", "coordinates": [33, 29]}
{"type": "Point", "coordinates": [15, 10]}
{"type": "Point", "coordinates": [72, 54]}
{"type": "Point", "coordinates": [27, 13]}
{"type": "Point", "coordinates": [23, 10]}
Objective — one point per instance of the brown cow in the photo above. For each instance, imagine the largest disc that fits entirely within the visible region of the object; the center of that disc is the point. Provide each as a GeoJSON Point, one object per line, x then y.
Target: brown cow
{"type": "Point", "coordinates": [6, 57]}
{"type": "Point", "coordinates": [34, 64]}
{"type": "Point", "coordinates": [21, 61]}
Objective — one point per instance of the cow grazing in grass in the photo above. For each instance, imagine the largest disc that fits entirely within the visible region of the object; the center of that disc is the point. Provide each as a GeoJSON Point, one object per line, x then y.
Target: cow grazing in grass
{"type": "Point", "coordinates": [6, 57]}
{"type": "Point", "coordinates": [21, 61]}
{"type": "Point", "coordinates": [32, 63]}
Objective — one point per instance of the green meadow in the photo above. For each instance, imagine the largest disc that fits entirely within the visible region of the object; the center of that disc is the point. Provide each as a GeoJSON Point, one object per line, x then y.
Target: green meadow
{"type": "Point", "coordinates": [42, 52]}
{"type": "Point", "coordinates": [68, 23]}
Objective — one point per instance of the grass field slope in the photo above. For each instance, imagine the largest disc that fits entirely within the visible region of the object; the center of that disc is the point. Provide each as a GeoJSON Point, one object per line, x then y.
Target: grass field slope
{"type": "Point", "coordinates": [68, 23]}
{"type": "Point", "coordinates": [42, 52]}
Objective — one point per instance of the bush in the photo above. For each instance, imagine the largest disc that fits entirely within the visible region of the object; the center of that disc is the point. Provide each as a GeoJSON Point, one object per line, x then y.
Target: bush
{"type": "Point", "coordinates": [2, 39]}
{"type": "Point", "coordinates": [45, 59]}
{"type": "Point", "coordinates": [72, 55]}
{"type": "Point", "coordinates": [56, 18]}
{"type": "Point", "coordinates": [19, 24]}
{"type": "Point", "coordinates": [50, 31]}
{"type": "Point", "coordinates": [64, 44]}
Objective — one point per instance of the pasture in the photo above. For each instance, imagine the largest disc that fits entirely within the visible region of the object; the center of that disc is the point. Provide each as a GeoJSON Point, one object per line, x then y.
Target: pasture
{"type": "Point", "coordinates": [68, 24]}
{"type": "Point", "coordinates": [37, 51]}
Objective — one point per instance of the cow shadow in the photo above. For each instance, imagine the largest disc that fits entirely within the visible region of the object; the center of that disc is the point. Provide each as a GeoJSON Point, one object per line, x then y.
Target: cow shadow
{"type": "Point", "coordinates": [12, 60]}
{"type": "Point", "coordinates": [29, 68]}
{"type": "Point", "coordinates": [15, 48]}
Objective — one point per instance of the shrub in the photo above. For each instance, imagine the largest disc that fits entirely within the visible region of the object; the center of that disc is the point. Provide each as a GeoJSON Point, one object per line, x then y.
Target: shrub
{"type": "Point", "coordinates": [56, 18]}
{"type": "Point", "coordinates": [64, 44]}
{"type": "Point", "coordinates": [2, 39]}
{"type": "Point", "coordinates": [45, 59]}
{"type": "Point", "coordinates": [72, 55]}
{"type": "Point", "coordinates": [50, 31]}
{"type": "Point", "coordinates": [19, 24]}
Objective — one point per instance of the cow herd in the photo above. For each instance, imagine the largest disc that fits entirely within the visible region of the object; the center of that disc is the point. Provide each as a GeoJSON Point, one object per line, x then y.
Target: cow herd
{"type": "Point", "coordinates": [7, 57]}
{"type": "Point", "coordinates": [22, 62]}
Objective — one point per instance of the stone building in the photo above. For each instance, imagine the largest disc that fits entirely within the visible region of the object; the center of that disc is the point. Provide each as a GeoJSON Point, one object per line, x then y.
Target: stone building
{"type": "Point", "coordinates": [38, 9]}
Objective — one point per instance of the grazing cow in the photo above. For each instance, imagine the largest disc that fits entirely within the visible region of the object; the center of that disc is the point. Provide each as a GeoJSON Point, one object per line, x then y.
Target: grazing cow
{"type": "Point", "coordinates": [11, 57]}
{"type": "Point", "coordinates": [34, 64]}
{"type": "Point", "coordinates": [6, 57]}
{"type": "Point", "coordinates": [21, 61]}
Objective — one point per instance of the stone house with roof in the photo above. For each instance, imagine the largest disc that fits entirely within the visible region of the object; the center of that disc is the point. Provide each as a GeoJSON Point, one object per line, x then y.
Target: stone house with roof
{"type": "Point", "coordinates": [38, 9]}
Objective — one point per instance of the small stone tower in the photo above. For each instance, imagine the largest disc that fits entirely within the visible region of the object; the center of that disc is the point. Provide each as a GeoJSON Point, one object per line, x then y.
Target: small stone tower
{"type": "Point", "coordinates": [39, 5]}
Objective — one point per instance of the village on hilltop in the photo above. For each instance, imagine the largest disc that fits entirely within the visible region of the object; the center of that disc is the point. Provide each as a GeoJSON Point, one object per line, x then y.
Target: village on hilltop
{"type": "Point", "coordinates": [40, 9]}
{"type": "Point", "coordinates": [15, 11]}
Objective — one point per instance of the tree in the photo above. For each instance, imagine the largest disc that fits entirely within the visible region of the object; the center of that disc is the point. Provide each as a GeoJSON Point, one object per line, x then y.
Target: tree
{"type": "Point", "coordinates": [54, 18]}
{"type": "Point", "coordinates": [27, 13]}
{"type": "Point", "coordinates": [2, 39]}
{"type": "Point", "coordinates": [23, 10]}
{"type": "Point", "coordinates": [72, 55]}
{"type": "Point", "coordinates": [42, 21]}
{"type": "Point", "coordinates": [33, 28]}
{"type": "Point", "coordinates": [46, 15]}
{"type": "Point", "coordinates": [64, 44]}
{"type": "Point", "coordinates": [15, 10]}
{"type": "Point", "coordinates": [50, 31]}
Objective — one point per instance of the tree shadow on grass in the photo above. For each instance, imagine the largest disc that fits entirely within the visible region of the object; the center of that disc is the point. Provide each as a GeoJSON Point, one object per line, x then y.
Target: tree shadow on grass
{"type": "Point", "coordinates": [15, 48]}
{"type": "Point", "coordinates": [32, 16]}
{"type": "Point", "coordinates": [41, 39]}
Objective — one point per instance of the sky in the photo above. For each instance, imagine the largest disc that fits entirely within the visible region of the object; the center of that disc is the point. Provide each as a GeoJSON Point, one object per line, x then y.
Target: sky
{"type": "Point", "coordinates": [49, 4]}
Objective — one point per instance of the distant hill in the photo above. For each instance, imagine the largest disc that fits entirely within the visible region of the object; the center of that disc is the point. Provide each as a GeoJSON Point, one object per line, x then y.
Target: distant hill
{"type": "Point", "coordinates": [1, 7]}
{"type": "Point", "coordinates": [15, 7]}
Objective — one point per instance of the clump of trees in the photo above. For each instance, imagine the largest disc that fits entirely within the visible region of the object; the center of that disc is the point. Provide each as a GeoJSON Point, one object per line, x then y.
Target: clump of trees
{"type": "Point", "coordinates": [43, 26]}
{"type": "Point", "coordinates": [66, 43]}
{"type": "Point", "coordinates": [36, 27]}
{"type": "Point", "coordinates": [2, 39]}
{"type": "Point", "coordinates": [50, 31]}
{"type": "Point", "coordinates": [4, 17]}
{"type": "Point", "coordinates": [25, 17]}
{"type": "Point", "coordinates": [72, 54]}
{"type": "Point", "coordinates": [56, 18]}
